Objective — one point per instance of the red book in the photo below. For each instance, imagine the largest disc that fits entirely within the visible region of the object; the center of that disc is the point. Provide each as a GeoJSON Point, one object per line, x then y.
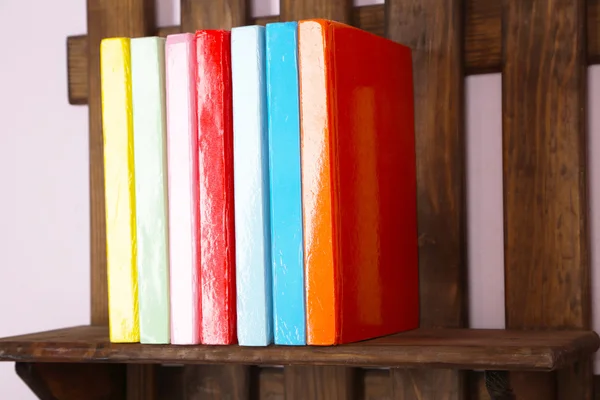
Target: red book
{"type": "Point", "coordinates": [215, 142]}
{"type": "Point", "coordinates": [358, 184]}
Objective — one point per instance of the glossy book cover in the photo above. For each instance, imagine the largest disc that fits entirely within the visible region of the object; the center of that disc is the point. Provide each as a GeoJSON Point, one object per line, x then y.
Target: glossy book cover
{"type": "Point", "coordinates": [289, 316]}
{"type": "Point", "coordinates": [358, 184]}
{"type": "Point", "coordinates": [184, 216]}
{"type": "Point", "coordinates": [119, 190]}
{"type": "Point", "coordinates": [150, 154]}
{"type": "Point", "coordinates": [217, 227]}
{"type": "Point", "coordinates": [251, 187]}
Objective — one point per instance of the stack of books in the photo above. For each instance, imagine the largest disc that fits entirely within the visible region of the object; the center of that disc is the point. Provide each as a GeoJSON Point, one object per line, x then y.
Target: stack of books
{"type": "Point", "coordinates": [260, 186]}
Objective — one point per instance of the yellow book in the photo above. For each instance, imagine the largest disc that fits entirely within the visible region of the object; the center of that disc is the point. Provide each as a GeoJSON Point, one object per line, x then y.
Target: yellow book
{"type": "Point", "coordinates": [119, 186]}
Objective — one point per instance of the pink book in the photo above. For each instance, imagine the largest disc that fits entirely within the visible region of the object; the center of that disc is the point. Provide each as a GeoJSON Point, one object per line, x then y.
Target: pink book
{"type": "Point", "coordinates": [184, 218]}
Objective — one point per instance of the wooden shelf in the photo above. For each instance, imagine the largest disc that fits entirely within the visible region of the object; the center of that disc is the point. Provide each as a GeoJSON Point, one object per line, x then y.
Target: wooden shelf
{"type": "Point", "coordinates": [449, 348]}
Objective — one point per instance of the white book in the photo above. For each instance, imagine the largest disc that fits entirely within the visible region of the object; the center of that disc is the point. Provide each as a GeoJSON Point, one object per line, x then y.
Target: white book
{"type": "Point", "coordinates": [251, 187]}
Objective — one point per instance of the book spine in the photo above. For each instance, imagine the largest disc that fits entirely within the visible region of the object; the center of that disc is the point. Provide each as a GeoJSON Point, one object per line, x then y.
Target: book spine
{"type": "Point", "coordinates": [315, 137]}
{"type": "Point", "coordinates": [182, 154]}
{"type": "Point", "coordinates": [250, 154]}
{"type": "Point", "coordinates": [119, 183]}
{"type": "Point", "coordinates": [149, 134]}
{"type": "Point", "coordinates": [217, 229]}
{"type": "Point", "coordinates": [285, 183]}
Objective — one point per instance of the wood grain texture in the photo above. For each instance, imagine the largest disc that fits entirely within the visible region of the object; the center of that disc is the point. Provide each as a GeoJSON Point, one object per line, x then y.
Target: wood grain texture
{"type": "Point", "coordinates": [417, 384]}
{"type": "Point", "coordinates": [533, 350]}
{"type": "Point", "coordinates": [482, 31]}
{"type": "Point", "coordinates": [546, 222]}
{"type": "Point", "coordinates": [271, 384]}
{"type": "Point", "coordinates": [482, 42]}
{"type": "Point", "coordinates": [377, 384]}
{"type": "Point", "coordinates": [593, 31]}
{"type": "Point", "coordinates": [141, 382]}
{"type": "Point", "coordinates": [77, 69]}
{"type": "Point", "coordinates": [268, 383]}
{"type": "Point", "coordinates": [210, 14]}
{"type": "Point", "coordinates": [370, 19]}
{"type": "Point", "coordinates": [577, 381]}
{"type": "Point", "coordinates": [49, 381]}
{"type": "Point", "coordinates": [337, 10]}
{"type": "Point", "coordinates": [433, 30]}
{"type": "Point", "coordinates": [323, 382]}
{"type": "Point", "coordinates": [216, 382]}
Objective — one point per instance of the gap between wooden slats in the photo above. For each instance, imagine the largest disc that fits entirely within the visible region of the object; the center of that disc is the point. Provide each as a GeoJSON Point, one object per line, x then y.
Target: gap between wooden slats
{"type": "Point", "coordinates": [594, 201]}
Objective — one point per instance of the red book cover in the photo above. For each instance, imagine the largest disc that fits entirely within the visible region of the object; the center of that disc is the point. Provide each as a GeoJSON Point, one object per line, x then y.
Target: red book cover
{"type": "Point", "coordinates": [215, 142]}
{"type": "Point", "coordinates": [358, 184]}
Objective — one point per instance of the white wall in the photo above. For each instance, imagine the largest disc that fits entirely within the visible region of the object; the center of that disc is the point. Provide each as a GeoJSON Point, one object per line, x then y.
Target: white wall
{"type": "Point", "coordinates": [44, 210]}
{"type": "Point", "coordinates": [44, 223]}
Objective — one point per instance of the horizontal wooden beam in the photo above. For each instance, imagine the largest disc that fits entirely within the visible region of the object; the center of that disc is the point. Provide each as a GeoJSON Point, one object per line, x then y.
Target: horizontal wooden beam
{"type": "Point", "coordinates": [369, 18]}
{"type": "Point", "coordinates": [482, 46]}
{"type": "Point", "coordinates": [434, 348]}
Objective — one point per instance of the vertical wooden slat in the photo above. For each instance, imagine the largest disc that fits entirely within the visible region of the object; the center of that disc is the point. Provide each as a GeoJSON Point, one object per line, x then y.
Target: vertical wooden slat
{"type": "Point", "coordinates": [271, 384]}
{"type": "Point", "coordinates": [433, 30]}
{"type": "Point", "coordinates": [141, 382]}
{"type": "Point", "coordinates": [337, 10]}
{"type": "Point", "coordinates": [318, 382]}
{"type": "Point", "coordinates": [323, 382]}
{"type": "Point", "coordinates": [108, 18]}
{"type": "Point", "coordinates": [377, 384]}
{"type": "Point", "coordinates": [218, 381]}
{"type": "Point", "coordinates": [544, 125]}
{"type": "Point", "coordinates": [210, 14]}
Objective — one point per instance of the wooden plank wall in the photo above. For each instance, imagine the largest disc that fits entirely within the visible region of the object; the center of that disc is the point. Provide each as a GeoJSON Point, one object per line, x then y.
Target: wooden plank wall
{"type": "Point", "coordinates": [434, 31]}
{"type": "Point", "coordinates": [482, 50]}
{"type": "Point", "coordinates": [542, 52]}
{"type": "Point", "coordinates": [546, 223]}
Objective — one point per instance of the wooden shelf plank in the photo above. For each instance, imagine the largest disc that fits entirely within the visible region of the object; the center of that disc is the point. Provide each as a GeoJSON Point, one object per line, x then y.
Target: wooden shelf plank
{"type": "Point", "coordinates": [422, 348]}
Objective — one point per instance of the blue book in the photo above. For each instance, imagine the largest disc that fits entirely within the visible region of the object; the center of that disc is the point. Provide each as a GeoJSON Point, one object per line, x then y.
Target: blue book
{"type": "Point", "coordinates": [285, 184]}
{"type": "Point", "coordinates": [251, 187]}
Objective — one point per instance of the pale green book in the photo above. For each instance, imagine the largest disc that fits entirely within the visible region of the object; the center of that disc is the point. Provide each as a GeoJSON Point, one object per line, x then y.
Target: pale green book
{"type": "Point", "coordinates": [150, 157]}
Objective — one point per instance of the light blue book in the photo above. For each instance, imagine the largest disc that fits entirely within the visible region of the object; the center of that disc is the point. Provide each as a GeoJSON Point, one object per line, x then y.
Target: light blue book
{"type": "Point", "coordinates": [150, 160]}
{"type": "Point", "coordinates": [285, 184]}
{"type": "Point", "coordinates": [251, 187]}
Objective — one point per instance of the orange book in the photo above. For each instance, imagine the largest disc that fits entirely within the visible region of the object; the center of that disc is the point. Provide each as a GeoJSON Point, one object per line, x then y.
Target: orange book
{"type": "Point", "coordinates": [358, 184]}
